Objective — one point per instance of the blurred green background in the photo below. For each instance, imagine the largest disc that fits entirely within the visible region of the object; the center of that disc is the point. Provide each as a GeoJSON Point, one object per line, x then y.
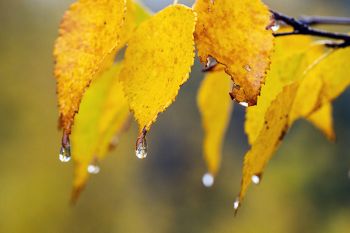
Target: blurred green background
{"type": "Point", "coordinates": [306, 187]}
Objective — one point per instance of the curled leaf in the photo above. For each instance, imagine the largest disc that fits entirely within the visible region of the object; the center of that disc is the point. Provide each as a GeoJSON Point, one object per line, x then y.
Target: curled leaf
{"type": "Point", "coordinates": [234, 33]}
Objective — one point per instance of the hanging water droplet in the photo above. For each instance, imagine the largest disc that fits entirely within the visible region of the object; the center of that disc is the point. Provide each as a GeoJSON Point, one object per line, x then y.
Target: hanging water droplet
{"type": "Point", "coordinates": [141, 151]}
{"type": "Point", "coordinates": [64, 155]}
{"type": "Point", "coordinates": [244, 104]}
{"type": "Point", "coordinates": [256, 179]}
{"type": "Point", "coordinates": [208, 180]}
{"type": "Point", "coordinates": [93, 169]}
{"type": "Point", "coordinates": [247, 68]}
{"type": "Point", "coordinates": [141, 146]}
{"type": "Point", "coordinates": [236, 204]}
{"type": "Point", "coordinates": [275, 27]}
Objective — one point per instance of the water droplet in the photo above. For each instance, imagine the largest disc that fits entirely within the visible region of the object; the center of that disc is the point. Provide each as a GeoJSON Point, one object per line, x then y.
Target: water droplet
{"type": "Point", "coordinates": [275, 27]}
{"type": "Point", "coordinates": [256, 179]}
{"type": "Point", "coordinates": [93, 169]}
{"type": "Point", "coordinates": [244, 104]}
{"type": "Point", "coordinates": [247, 68]}
{"type": "Point", "coordinates": [141, 146]}
{"type": "Point", "coordinates": [208, 180]}
{"type": "Point", "coordinates": [236, 204]}
{"type": "Point", "coordinates": [209, 61]}
{"type": "Point", "coordinates": [64, 155]}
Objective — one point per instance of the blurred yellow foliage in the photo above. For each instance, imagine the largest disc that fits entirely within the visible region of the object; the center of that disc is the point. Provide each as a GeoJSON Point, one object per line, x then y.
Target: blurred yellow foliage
{"type": "Point", "coordinates": [215, 107]}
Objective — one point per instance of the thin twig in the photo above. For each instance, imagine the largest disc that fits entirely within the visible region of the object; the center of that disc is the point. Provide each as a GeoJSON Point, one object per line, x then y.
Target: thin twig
{"type": "Point", "coordinates": [331, 20]}
{"type": "Point", "coordinates": [301, 28]}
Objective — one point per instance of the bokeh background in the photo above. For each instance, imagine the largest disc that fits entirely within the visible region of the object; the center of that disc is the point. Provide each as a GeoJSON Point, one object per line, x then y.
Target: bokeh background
{"type": "Point", "coordinates": [306, 187]}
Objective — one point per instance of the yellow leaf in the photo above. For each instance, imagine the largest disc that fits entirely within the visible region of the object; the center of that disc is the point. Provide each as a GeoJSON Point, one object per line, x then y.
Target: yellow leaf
{"type": "Point", "coordinates": [104, 112]}
{"type": "Point", "coordinates": [158, 61]}
{"type": "Point", "coordinates": [141, 13]}
{"type": "Point", "coordinates": [135, 15]}
{"type": "Point", "coordinates": [326, 80]}
{"type": "Point", "coordinates": [329, 77]}
{"type": "Point", "coordinates": [234, 33]}
{"type": "Point", "coordinates": [269, 137]}
{"type": "Point", "coordinates": [89, 34]}
{"type": "Point", "coordinates": [215, 107]}
{"type": "Point", "coordinates": [290, 59]}
{"type": "Point", "coordinates": [323, 120]}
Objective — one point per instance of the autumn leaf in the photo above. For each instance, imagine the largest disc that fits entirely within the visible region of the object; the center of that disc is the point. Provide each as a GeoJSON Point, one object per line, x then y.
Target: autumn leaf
{"type": "Point", "coordinates": [317, 87]}
{"type": "Point", "coordinates": [215, 107]}
{"type": "Point", "coordinates": [158, 61]}
{"type": "Point", "coordinates": [330, 79]}
{"type": "Point", "coordinates": [89, 34]}
{"type": "Point", "coordinates": [323, 120]}
{"type": "Point", "coordinates": [290, 59]}
{"type": "Point", "coordinates": [135, 14]}
{"type": "Point", "coordinates": [104, 114]}
{"type": "Point", "coordinates": [268, 139]}
{"type": "Point", "coordinates": [234, 33]}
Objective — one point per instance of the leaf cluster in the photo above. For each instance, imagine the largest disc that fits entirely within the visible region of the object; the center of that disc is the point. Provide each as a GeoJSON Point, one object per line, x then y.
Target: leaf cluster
{"type": "Point", "coordinates": [278, 80]}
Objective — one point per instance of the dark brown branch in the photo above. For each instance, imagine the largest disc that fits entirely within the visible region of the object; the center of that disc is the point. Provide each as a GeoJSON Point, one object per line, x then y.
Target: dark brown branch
{"type": "Point", "coordinates": [302, 28]}
{"type": "Point", "coordinates": [330, 20]}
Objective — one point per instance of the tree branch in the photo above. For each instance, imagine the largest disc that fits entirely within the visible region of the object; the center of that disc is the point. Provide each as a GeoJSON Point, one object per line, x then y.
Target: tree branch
{"type": "Point", "coordinates": [302, 28]}
{"type": "Point", "coordinates": [317, 20]}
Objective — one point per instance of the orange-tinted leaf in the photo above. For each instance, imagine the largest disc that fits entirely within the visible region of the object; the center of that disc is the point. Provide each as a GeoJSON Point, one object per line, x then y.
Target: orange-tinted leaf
{"type": "Point", "coordinates": [158, 61]}
{"type": "Point", "coordinates": [89, 34]}
{"type": "Point", "coordinates": [215, 106]}
{"type": "Point", "coordinates": [234, 33]}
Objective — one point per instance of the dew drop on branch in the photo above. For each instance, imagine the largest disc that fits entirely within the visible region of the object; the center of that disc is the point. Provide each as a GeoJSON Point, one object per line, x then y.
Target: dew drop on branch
{"type": "Point", "coordinates": [275, 27]}
{"type": "Point", "coordinates": [208, 180]}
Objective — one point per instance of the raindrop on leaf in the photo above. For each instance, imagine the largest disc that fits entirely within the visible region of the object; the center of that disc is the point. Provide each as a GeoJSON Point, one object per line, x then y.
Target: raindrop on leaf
{"type": "Point", "coordinates": [247, 68]}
